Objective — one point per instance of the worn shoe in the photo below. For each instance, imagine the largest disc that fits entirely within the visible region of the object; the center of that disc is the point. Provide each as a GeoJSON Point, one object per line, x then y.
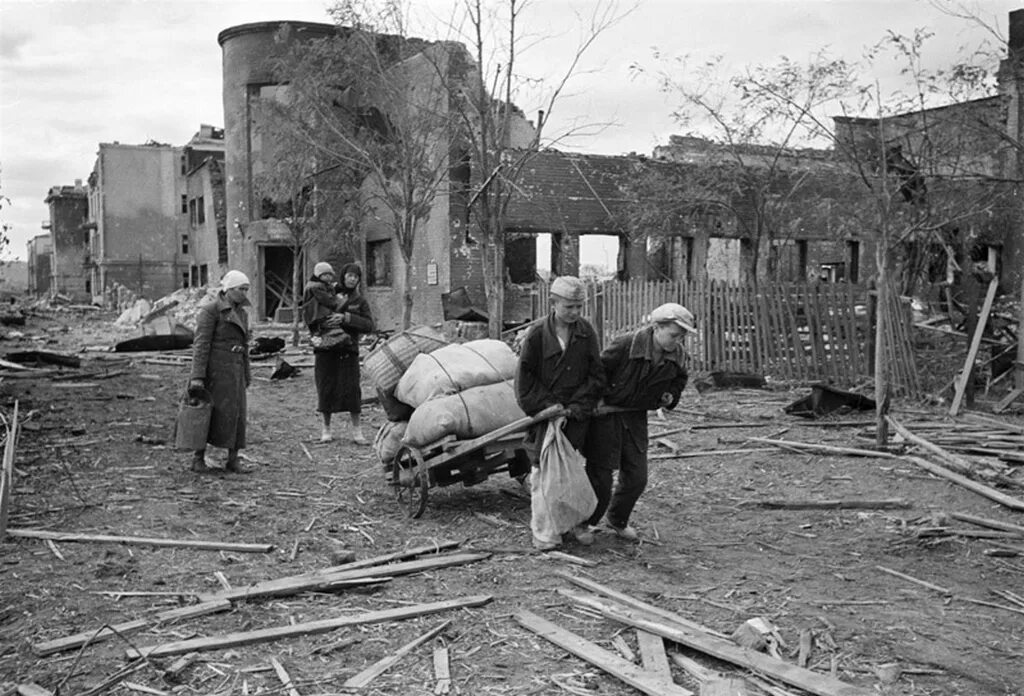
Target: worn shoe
{"type": "Point", "coordinates": [583, 534]}
{"type": "Point", "coordinates": [199, 464]}
{"type": "Point", "coordinates": [544, 545]}
{"type": "Point", "coordinates": [235, 466]}
{"type": "Point", "coordinates": [359, 439]}
{"type": "Point", "coordinates": [326, 436]}
{"type": "Point", "coordinates": [627, 532]}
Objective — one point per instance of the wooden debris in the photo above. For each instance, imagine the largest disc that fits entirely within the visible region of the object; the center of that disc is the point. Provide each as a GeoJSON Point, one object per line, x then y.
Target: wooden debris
{"type": "Point", "coordinates": [222, 579]}
{"type": "Point", "coordinates": [985, 522]}
{"type": "Point", "coordinates": [804, 652]}
{"type": "Point", "coordinates": [620, 644]}
{"type": "Point", "coordinates": [725, 686]}
{"type": "Point", "coordinates": [569, 558]}
{"type": "Point", "coordinates": [722, 649]}
{"type": "Point", "coordinates": [972, 353]}
{"type": "Point", "coordinates": [7, 471]}
{"type": "Point", "coordinates": [442, 672]}
{"type": "Point", "coordinates": [622, 669]}
{"type": "Point", "coordinates": [142, 541]}
{"type": "Point", "coordinates": [143, 689]}
{"type": "Point", "coordinates": [825, 449]}
{"type": "Point", "coordinates": [104, 633]}
{"type": "Point", "coordinates": [708, 453]}
{"type": "Point", "coordinates": [492, 520]}
{"type": "Point", "coordinates": [979, 488]}
{"type": "Point", "coordinates": [884, 504]}
{"type": "Point", "coordinates": [652, 655]}
{"type": "Point", "coordinates": [398, 556]}
{"type": "Point", "coordinates": [32, 689]}
{"type": "Point", "coordinates": [176, 669]}
{"type": "Point", "coordinates": [910, 578]}
{"type": "Point", "coordinates": [629, 601]}
{"type": "Point", "coordinates": [327, 579]}
{"type": "Point", "coordinates": [282, 674]}
{"type": "Point", "coordinates": [376, 669]}
{"type": "Point", "coordinates": [233, 640]}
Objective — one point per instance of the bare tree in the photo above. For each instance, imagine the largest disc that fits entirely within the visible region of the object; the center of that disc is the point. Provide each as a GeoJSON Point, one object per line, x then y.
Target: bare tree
{"type": "Point", "coordinates": [373, 102]}
{"type": "Point", "coordinates": [498, 142]}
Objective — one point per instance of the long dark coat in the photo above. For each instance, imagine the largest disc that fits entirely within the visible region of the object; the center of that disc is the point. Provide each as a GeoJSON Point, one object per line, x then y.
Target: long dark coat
{"type": "Point", "coordinates": [220, 357]}
{"type": "Point", "coordinates": [547, 376]}
{"type": "Point", "coordinates": [336, 374]}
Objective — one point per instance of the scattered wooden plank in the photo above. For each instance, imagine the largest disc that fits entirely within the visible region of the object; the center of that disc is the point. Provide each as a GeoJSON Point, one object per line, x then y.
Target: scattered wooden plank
{"type": "Point", "coordinates": [315, 581]}
{"type": "Point", "coordinates": [282, 674]}
{"type": "Point", "coordinates": [77, 640]}
{"type": "Point", "coordinates": [985, 522]}
{"type": "Point", "coordinates": [233, 640]}
{"type": "Point", "coordinates": [652, 655]}
{"type": "Point", "coordinates": [620, 644]}
{"type": "Point", "coordinates": [143, 689]}
{"type": "Point", "coordinates": [622, 669]}
{"type": "Point", "coordinates": [692, 667]}
{"type": "Point", "coordinates": [569, 558]}
{"type": "Point", "coordinates": [979, 488]}
{"type": "Point", "coordinates": [378, 668]}
{"type": "Point", "coordinates": [176, 669]}
{"type": "Point", "coordinates": [442, 672]}
{"type": "Point", "coordinates": [1005, 402]}
{"type": "Point", "coordinates": [142, 541]}
{"type": "Point", "coordinates": [972, 353]}
{"type": "Point", "coordinates": [32, 689]}
{"type": "Point", "coordinates": [960, 464]}
{"type": "Point", "coordinates": [885, 504]}
{"type": "Point", "coordinates": [910, 578]}
{"type": "Point", "coordinates": [7, 471]}
{"type": "Point", "coordinates": [722, 649]}
{"type": "Point", "coordinates": [397, 556]}
{"type": "Point", "coordinates": [709, 453]}
{"type": "Point", "coordinates": [826, 449]}
{"type": "Point", "coordinates": [724, 686]}
{"type": "Point", "coordinates": [629, 601]}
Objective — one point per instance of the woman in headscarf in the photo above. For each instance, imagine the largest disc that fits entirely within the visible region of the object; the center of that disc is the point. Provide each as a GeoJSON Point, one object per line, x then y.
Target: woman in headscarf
{"type": "Point", "coordinates": [341, 310]}
{"type": "Point", "coordinates": [220, 366]}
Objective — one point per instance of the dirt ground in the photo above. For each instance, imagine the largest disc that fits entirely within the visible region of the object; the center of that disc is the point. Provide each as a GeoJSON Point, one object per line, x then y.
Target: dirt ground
{"type": "Point", "coordinates": [95, 456]}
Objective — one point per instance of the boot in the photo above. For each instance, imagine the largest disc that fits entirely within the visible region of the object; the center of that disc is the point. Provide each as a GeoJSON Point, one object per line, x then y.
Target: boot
{"type": "Point", "coordinates": [234, 464]}
{"type": "Point", "coordinates": [199, 462]}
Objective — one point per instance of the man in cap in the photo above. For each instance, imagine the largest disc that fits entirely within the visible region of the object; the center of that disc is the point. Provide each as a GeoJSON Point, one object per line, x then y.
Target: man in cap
{"type": "Point", "coordinates": [645, 370]}
{"type": "Point", "coordinates": [560, 364]}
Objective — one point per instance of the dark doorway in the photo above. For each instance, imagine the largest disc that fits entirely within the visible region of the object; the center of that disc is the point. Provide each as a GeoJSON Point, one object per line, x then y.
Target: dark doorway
{"type": "Point", "coordinates": [276, 266]}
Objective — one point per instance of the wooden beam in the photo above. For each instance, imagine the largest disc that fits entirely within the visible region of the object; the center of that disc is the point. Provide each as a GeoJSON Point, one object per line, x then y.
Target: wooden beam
{"type": "Point", "coordinates": [979, 488]}
{"type": "Point", "coordinates": [825, 449]}
{"type": "Point", "coordinates": [886, 504]}
{"type": "Point", "coordinates": [972, 353]}
{"type": "Point", "coordinates": [265, 635]}
{"type": "Point", "coordinates": [629, 601]}
{"type": "Point", "coordinates": [442, 672]}
{"type": "Point", "coordinates": [142, 541]}
{"type": "Point", "coordinates": [364, 678]}
{"type": "Point", "coordinates": [959, 463]}
{"type": "Point", "coordinates": [1005, 402]}
{"type": "Point", "coordinates": [985, 522]}
{"type": "Point", "coordinates": [283, 587]}
{"type": "Point", "coordinates": [127, 627]}
{"type": "Point", "coordinates": [7, 471]}
{"type": "Point", "coordinates": [652, 655]}
{"type": "Point", "coordinates": [618, 667]}
{"type": "Point", "coordinates": [723, 649]}
{"type": "Point", "coordinates": [282, 674]}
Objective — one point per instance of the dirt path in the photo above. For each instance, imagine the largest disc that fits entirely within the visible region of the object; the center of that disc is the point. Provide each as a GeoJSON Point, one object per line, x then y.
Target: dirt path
{"type": "Point", "coordinates": [96, 459]}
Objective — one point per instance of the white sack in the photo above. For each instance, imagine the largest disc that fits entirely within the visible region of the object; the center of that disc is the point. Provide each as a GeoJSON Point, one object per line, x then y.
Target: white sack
{"type": "Point", "coordinates": [466, 415]}
{"type": "Point", "coordinates": [388, 440]}
{"type": "Point", "coordinates": [455, 368]}
{"type": "Point", "coordinates": [561, 496]}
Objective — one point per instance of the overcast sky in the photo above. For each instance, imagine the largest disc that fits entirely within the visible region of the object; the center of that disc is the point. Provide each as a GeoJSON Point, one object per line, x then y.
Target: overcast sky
{"type": "Point", "coordinates": [75, 74]}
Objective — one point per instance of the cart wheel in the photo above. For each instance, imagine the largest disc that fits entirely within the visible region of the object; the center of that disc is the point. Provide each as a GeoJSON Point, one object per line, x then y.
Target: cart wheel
{"type": "Point", "coordinates": [410, 479]}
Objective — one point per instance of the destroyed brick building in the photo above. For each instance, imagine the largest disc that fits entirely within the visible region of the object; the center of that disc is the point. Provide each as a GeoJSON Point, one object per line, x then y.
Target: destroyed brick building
{"type": "Point", "coordinates": [69, 210]}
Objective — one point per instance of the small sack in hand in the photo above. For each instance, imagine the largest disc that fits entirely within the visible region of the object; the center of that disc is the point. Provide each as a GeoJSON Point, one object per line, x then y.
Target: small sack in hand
{"type": "Point", "coordinates": [561, 494]}
{"type": "Point", "coordinates": [193, 424]}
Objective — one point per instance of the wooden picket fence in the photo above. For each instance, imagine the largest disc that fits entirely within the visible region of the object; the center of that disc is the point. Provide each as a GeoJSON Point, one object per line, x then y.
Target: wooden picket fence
{"type": "Point", "coordinates": [785, 331]}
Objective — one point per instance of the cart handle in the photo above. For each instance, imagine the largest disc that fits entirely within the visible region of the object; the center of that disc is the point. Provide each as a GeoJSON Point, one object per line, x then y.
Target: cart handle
{"type": "Point", "coordinates": [513, 427]}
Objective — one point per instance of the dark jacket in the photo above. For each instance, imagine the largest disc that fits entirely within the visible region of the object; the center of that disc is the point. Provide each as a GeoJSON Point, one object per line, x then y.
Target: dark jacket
{"type": "Point", "coordinates": [636, 383]}
{"type": "Point", "coordinates": [547, 376]}
{"type": "Point", "coordinates": [220, 357]}
{"type": "Point", "coordinates": [320, 300]}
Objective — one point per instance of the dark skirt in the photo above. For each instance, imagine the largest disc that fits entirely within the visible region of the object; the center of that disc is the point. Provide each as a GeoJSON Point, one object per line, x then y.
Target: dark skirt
{"type": "Point", "coordinates": [337, 383]}
{"type": "Point", "coordinates": [225, 380]}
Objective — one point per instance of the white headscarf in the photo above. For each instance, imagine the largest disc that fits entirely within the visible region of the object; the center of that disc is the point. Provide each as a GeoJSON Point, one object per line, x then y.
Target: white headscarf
{"type": "Point", "coordinates": [233, 279]}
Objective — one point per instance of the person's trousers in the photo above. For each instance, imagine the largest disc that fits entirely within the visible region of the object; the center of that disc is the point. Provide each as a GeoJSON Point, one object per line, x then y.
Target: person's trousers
{"type": "Point", "coordinates": [612, 446]}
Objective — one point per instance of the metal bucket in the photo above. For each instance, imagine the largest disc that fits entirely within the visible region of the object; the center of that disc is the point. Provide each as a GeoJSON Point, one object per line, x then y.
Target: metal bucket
{"type": "Point", "coordinates": [193, 424]}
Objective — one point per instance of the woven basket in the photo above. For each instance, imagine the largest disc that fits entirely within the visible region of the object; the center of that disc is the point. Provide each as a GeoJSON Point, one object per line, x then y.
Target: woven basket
{"type": "Point", "coordinates": [387, 363]}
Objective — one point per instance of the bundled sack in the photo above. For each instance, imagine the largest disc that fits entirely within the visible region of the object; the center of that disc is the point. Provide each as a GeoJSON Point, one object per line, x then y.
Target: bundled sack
{"type": "Point", "coordinates": [388, 441]}
{"type": "Point", "coordinates": [468, 414]}
{"type": "Point", "coordinates": [561, 496]}
{"type": "Point", "coordinates": [394, 409]}
{"type": "Point", "coordinates": [389, 361]}
{"type": "Point", "coordinates": [455, 368]}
